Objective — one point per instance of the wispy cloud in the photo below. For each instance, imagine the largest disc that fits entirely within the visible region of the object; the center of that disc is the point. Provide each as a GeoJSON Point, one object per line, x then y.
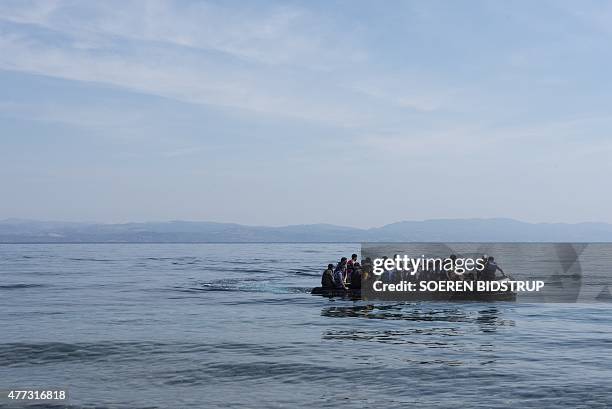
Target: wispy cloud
{"type": "Point", "coordinates": [169, 50]}
{"type": "Point", "coordinates": [273, 35]}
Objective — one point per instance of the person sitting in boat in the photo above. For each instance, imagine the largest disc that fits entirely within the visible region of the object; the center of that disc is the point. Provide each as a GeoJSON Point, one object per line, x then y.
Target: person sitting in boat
{"type": "Point", "coordinates": [391, 276]}
{"type": "Point", "coordinates": [349, 266]}
{"type": "Point", "coordinates": [479, 273]}
{"type": "Point", "coordinates": [490, 269]}
{"type": "Point", "coordinates": [367, 266]}
{"type": "Point", "coordinates": [327, 279]}
{"type": "Point", "coordinates": [451, 274]}
{"type": "Point", "coordinates": [356, 276]}
{"type": "Point", "coordinates": [340, 274]}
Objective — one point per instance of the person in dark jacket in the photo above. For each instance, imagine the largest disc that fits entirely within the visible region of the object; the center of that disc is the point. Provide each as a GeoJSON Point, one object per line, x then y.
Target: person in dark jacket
{"type": "Point", "coordinates": [327, 279]}
{"type": "Point", "coordinates": [349, 267]}
{"type": "Point", "coordinates": [340, 274]}
{"type": "Point", "coordinates": [490, 269]}
{"type": "Point", "coordinates": [356, 276]}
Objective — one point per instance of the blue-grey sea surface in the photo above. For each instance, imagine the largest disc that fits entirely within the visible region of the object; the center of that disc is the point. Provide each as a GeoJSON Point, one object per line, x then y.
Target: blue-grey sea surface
{"type": "Point", "coordinates": [234, 325]}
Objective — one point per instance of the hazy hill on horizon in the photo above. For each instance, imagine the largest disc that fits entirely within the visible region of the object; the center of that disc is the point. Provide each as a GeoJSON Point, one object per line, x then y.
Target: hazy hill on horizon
{"type": "Point", "coordinates": [436, 230]}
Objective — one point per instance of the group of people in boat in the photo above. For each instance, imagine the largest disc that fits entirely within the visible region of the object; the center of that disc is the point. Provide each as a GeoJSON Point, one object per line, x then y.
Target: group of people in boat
{"type": "Point", "coordinates": [348, 274]}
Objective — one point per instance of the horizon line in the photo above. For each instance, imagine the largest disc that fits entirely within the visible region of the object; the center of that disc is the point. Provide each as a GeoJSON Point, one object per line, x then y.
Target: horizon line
{"type": "Point", "coordinates": [27, 220]}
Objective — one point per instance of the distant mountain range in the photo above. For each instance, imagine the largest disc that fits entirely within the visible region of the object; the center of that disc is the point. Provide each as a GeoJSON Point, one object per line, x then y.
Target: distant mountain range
{"type": "Point", "coordinates": [439, 230]}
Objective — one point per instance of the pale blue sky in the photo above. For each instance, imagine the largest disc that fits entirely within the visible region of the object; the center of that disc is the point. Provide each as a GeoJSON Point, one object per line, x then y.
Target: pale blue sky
{"type": "Point", "coordinates": [355, 113]}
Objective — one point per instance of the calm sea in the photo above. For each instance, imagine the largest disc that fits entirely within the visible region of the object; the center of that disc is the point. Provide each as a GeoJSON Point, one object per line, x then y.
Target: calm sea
{"type": "Point", "coordinates": [218, 325]}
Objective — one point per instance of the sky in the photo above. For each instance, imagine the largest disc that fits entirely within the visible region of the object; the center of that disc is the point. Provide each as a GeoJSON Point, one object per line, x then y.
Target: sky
{"type": "Point", "coordinates": [356, 113]}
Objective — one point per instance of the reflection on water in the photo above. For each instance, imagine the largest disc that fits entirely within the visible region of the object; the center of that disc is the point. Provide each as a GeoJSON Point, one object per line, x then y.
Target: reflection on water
{"type": "Point", "coordinates": [428, 336]}
{"type": "Point", "coordinates": [396, 311]}
{"type": "Point", "coordinates": [486, 320]}
{"type": "Point", "coordinates": [489, 320]}
{"type": "Point", "coordinates": [390, 336]}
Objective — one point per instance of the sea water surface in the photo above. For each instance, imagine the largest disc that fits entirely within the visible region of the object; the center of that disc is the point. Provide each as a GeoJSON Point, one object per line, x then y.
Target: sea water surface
{"type": "Point", "coordinates": [234, 325]}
